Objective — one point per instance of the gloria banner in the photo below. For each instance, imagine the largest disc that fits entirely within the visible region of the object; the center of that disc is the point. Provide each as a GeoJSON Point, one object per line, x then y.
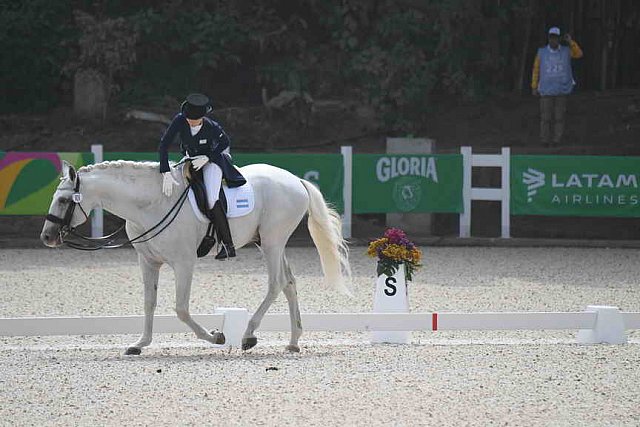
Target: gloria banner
{"type": "Point", "coordinates": [28, 180]}
{"type": "Point", "coordinates": [407, 183]}
{"type": "Point", "coordinates": [575, 186]}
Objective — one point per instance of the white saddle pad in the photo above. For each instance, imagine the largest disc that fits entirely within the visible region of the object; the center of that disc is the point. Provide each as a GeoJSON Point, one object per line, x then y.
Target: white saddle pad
{"type": "Point", "coordinates": [240, 202]}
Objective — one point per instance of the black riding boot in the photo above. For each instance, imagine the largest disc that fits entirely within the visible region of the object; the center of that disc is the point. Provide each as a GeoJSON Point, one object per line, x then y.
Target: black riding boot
{"type": "Point", "coordinates": [219, 218]}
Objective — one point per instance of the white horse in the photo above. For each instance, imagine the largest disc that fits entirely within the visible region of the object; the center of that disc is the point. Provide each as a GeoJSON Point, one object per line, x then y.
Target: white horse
{"type": "Point", "coordinates": [132, 191]}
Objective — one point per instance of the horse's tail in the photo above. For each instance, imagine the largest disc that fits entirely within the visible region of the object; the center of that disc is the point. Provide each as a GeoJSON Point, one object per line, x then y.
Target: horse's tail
{"type": "Point", "coordinates": [325, 228]}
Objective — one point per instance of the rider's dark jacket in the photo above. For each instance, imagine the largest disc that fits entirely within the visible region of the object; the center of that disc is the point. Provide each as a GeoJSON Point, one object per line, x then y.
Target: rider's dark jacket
{"type": "Point", "coordinates": [211, 141]}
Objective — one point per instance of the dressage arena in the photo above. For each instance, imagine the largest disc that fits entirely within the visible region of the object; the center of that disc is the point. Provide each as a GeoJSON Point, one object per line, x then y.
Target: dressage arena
{"type": "Point", "coordinates": [441, 378]}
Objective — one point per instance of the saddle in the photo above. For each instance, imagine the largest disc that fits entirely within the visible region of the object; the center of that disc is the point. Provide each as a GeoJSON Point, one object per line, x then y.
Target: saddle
{"type": "Point", "coordinates": [196, 181]}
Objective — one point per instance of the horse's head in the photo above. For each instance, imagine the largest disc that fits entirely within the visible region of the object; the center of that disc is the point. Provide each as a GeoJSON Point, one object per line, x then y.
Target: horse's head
{"type": "Point", "coordinates": [67, 210]}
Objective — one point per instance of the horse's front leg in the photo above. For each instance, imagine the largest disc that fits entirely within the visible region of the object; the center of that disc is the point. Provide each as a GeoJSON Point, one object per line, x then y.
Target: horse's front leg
{"type": "Point", "coordinates": [150, 273]}
{"type": "Point", "coordinates": [184, 276]}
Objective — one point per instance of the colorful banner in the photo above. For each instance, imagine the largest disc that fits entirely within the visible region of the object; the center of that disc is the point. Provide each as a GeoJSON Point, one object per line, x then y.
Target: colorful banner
{"type": "Point", "coordinates": [28, 180]}
{"type": "Point", "coordinates": [407, 183]}
{"type": "Point", "coordinates": [575, 186]}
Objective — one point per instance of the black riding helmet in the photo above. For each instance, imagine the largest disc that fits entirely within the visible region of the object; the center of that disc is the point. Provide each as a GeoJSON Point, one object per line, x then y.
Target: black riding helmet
{"type": "Point", "coordinates": [196, 106]}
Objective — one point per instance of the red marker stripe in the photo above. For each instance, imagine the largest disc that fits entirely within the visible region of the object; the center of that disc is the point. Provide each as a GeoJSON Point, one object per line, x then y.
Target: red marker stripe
{"type": "Point", "coordinates": [434, 321]}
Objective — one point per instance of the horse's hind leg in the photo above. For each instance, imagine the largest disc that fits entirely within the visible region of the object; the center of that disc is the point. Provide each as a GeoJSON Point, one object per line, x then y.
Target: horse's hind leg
{"type": "Point", "coordinates": [294, 310]}
{"type": "Point", "coordinates": [277, 280]}
{"type": "Point", "coordinates": [150, 273]}
{"type": "Point", "coordinates": [184, 276]}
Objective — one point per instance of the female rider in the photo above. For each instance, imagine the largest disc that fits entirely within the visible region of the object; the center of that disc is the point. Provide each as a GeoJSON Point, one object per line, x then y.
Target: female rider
{"type": "Point", "coordinates": [206, 143]}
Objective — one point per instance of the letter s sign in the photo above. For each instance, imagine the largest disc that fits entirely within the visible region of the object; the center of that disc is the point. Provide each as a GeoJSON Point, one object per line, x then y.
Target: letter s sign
{"type": "Point", "coordinates": [390, 282]}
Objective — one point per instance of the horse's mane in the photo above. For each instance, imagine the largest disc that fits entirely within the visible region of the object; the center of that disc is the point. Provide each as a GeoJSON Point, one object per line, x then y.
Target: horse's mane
{"type": "Point", "coordinates": [119, 164]}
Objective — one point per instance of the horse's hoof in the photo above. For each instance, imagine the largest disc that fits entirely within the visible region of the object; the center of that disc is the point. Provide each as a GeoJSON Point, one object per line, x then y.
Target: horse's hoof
{"type": "Point", "coordinates": [248, 343]}
{"type": "Point", "coordinates": [293, 348]}
{"type": "Point", "coordinates": [218, 337]}
{"type": "Point", "coordinates": [133, 351]}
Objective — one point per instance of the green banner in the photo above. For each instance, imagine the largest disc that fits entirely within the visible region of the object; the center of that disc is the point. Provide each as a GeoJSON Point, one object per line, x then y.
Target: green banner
{"type": "Point", "coordinates": [28, 180]}
{"type": "Point", "coordinates": [324, 170]}
{"type": "Point", "coordinates": [575, 186]}
{"type": "Point", "coordinates": [407, 183]}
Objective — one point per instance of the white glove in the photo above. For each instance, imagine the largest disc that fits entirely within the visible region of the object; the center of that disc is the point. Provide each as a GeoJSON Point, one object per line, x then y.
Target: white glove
{"type": "Point", "coordinates": [199, 161]}
{"type": "Point", "coordinates": [168, 182]}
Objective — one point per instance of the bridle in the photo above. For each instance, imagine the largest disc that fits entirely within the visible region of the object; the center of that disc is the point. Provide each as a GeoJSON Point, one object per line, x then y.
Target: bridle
{"type": "Point", "coordinates": [106, 242]}
{"type": "Point", "coordinates": [65, 222]}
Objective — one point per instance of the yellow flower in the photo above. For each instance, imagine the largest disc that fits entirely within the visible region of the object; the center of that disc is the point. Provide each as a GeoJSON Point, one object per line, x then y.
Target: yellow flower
{"type": "Point", "coordinates": [396, 252]}
{"type": "Point", "coordinates": [416, 255]}
{"type": "Point", "coordinates": [372, 251]}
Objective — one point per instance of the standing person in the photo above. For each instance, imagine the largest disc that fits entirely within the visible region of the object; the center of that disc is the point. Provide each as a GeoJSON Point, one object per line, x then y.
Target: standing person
{"type": "Point", "coordinates": [207, 144]}
{"type": "Point", "coordinates": [552, 80]}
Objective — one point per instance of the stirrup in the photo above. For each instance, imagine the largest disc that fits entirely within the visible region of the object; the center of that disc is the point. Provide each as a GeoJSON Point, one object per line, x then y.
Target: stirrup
{"type": "Point", "coordinates": [208, 242]}
{"type": "Point", "coordinates": [226, 252]}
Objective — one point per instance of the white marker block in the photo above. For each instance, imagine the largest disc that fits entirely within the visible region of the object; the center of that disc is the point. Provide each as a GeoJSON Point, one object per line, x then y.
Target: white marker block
{"type": "Point", "coordinates": [391, 297]}
{"type": "Point", "coordinates": [234, 324]}
{"type": "Point", "coordinates": [608, 327]}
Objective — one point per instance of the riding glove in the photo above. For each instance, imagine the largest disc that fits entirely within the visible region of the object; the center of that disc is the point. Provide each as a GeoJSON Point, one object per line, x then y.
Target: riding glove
{"type": "Point", "coordinates": [168, 182]}
{"type": "Point", "coordinates": [198, 162]}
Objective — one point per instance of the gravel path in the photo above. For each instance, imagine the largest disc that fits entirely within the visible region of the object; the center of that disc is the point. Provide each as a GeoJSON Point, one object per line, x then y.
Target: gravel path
{"type": "Point", "coordinates": [446, 378]}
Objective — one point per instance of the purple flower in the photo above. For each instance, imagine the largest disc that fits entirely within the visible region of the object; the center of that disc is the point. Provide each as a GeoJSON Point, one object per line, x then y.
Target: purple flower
{"type": "Point", "coordinates": [395, 236]}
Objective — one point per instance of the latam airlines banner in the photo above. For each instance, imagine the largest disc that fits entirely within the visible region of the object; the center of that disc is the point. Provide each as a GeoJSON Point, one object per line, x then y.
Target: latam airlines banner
{"type": "Point", "coordinates": [575, 186]}
{"type": "Point", "coordinates": [407, 183]}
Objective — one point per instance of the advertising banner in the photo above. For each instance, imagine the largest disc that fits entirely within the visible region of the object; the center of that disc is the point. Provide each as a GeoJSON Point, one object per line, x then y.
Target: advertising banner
{"type": "Point", "coordinates": [575, 186]}
{"type": "Point", "coordinates": [407, 183]}
{"type": "Point", "coordinates": [28, 180]}
{"type": "Point", "coordinates": [324, 170]}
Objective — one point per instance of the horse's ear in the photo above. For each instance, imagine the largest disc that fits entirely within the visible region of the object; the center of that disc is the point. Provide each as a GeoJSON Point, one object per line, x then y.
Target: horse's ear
{"type": "Point", "coordinates": [68, 171]}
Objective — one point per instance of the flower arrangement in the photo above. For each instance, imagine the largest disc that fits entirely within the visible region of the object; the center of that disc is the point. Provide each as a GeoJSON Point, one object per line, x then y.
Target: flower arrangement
{"type": "Point", "coordinates": [393, 249]}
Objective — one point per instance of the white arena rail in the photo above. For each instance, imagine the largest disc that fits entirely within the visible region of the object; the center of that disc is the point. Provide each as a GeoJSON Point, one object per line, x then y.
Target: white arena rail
{"type": "Point", "coordinates": [597, 324]}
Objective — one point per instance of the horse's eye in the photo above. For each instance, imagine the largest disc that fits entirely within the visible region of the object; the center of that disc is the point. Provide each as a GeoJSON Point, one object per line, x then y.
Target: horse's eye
{"type": "Point", "coordinates": [63, 201]}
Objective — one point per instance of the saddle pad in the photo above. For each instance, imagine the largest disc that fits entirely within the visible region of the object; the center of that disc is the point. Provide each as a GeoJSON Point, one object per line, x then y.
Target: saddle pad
{"type": "Point", "coordinates": [240, 202]}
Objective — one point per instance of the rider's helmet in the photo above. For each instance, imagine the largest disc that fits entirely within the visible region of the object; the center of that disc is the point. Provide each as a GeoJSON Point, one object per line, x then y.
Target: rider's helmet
{"type": "Point", "coordinates": [196, 106]}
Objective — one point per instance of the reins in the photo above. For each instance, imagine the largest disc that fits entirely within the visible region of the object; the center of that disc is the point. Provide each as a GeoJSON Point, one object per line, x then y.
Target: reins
{"type": "Point", "coordinates": [107, 242]}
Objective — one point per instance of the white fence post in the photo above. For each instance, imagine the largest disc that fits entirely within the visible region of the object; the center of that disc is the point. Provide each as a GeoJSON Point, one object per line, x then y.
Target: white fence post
{"type": "Point", "coordinates": [506, 193]}
{"type": "Point", "coordinates": [347, 189]}
{"type": "Point", "coordinates": [470, 193]}
{"type": "Point", "coordinates": [97, 215]}
{"type": "Point", "coordinates": [465, 216]}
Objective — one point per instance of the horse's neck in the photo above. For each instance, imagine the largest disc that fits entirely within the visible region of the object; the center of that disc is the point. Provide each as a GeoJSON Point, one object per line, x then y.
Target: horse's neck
{"type": "Point", "coordinates": [135, 198]}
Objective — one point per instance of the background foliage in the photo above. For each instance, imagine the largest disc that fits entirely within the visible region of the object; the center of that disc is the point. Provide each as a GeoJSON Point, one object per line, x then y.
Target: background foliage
{"type": "Point", "coordinates": [393, 55]}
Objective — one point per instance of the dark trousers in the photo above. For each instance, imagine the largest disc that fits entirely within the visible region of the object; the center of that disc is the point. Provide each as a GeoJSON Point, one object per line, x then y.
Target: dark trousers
{"type": "Point", "coordinates": [552, 108]}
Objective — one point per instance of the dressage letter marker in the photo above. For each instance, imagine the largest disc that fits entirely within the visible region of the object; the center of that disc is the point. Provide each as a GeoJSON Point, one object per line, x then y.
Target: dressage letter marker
{"type": "Point", "coordinates": [391, 297]}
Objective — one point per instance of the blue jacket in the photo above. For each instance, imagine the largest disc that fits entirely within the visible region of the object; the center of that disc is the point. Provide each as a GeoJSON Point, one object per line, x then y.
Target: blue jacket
{"type": "Point", "coordinates": [211, 141]}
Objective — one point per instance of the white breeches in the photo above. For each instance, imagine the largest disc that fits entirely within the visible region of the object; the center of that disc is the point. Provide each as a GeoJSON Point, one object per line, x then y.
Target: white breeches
{"type": "Point", "coordinates": [212, 180]}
